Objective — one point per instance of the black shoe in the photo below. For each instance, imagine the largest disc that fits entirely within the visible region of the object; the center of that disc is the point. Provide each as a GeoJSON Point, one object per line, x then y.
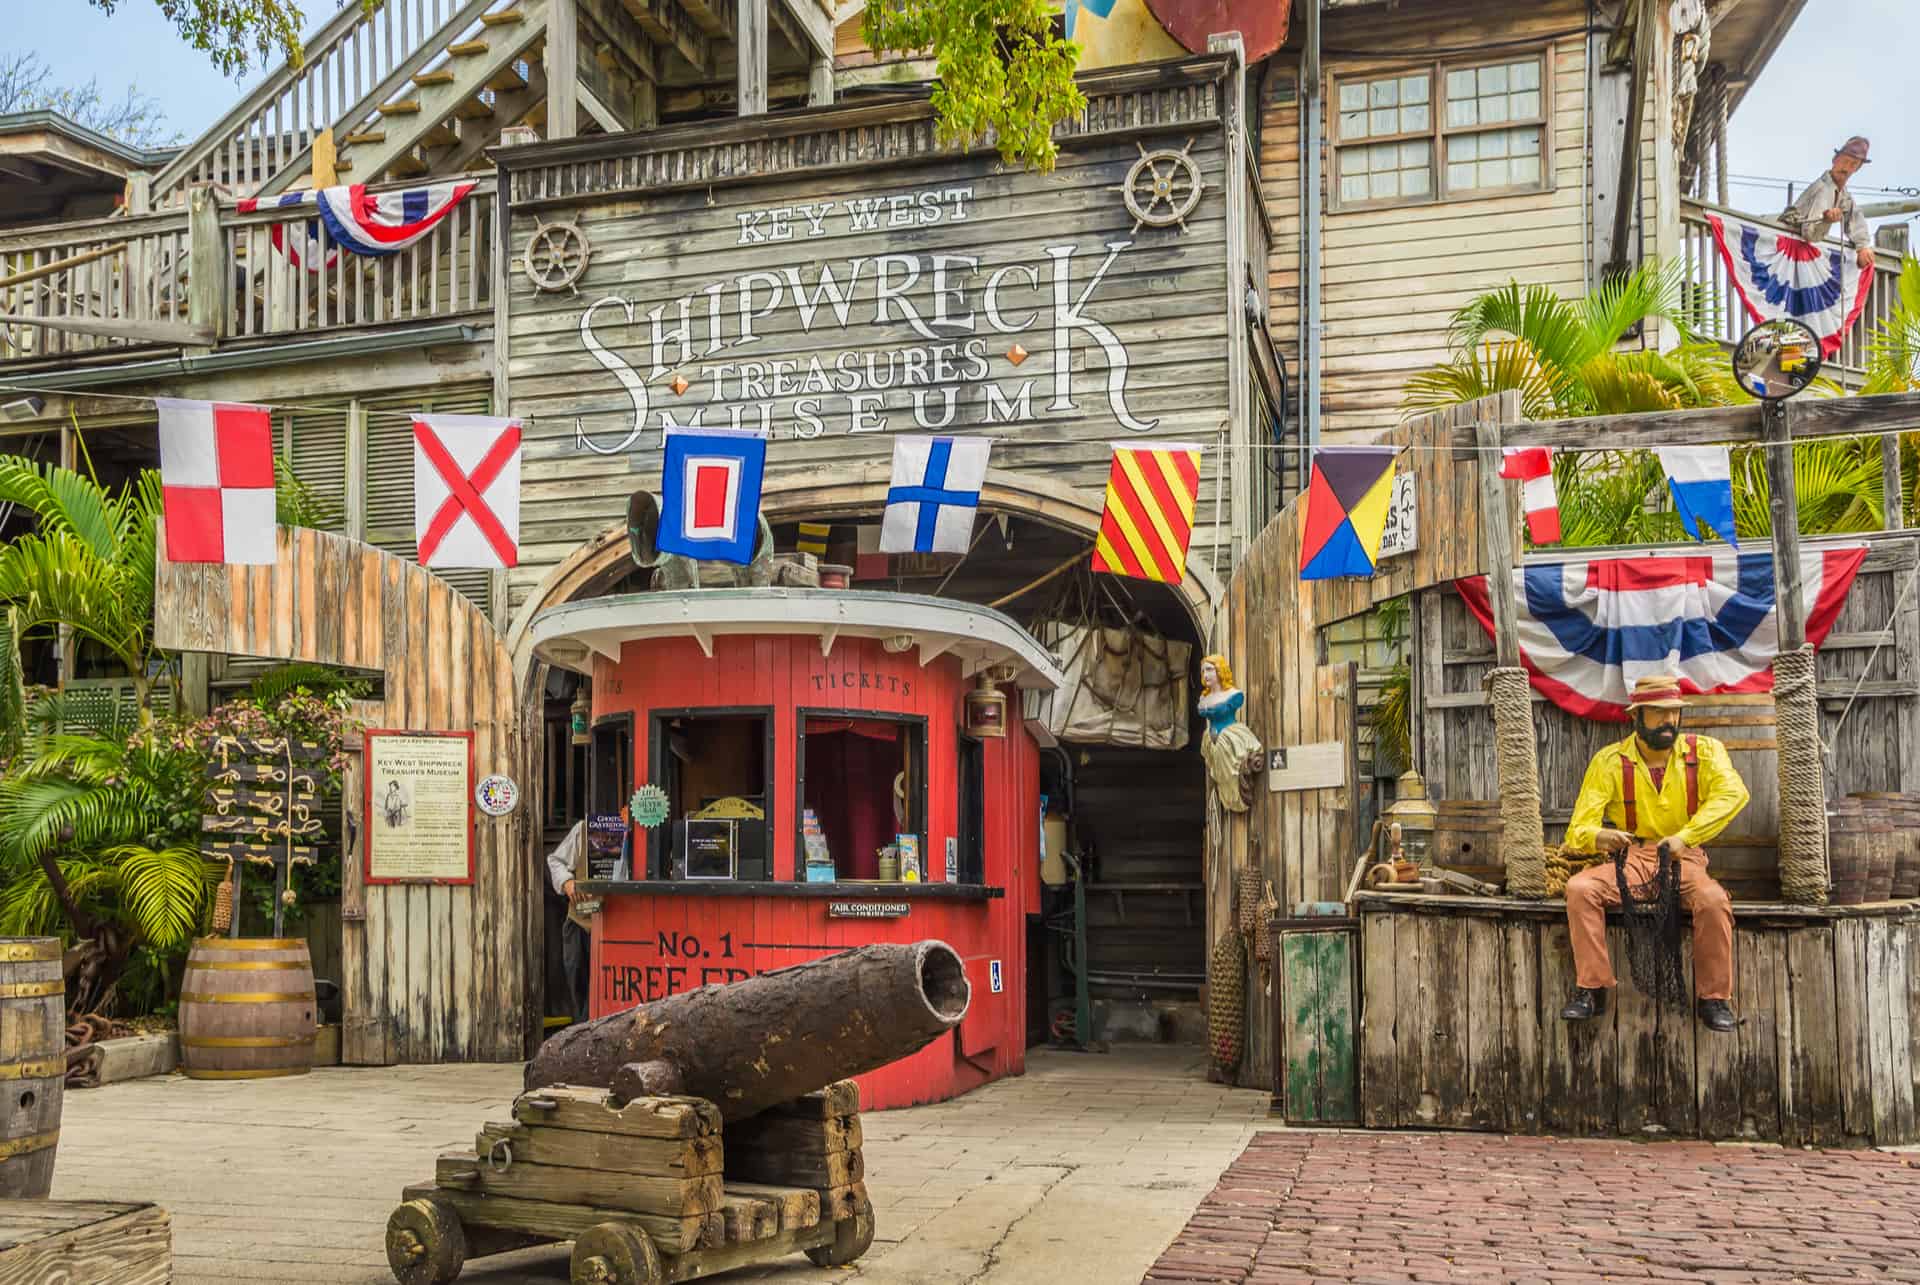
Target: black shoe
{"type": "Point", "coordinates": [1717, 1014]}
{"type": "Point", "coordinates": [1587, 1003]}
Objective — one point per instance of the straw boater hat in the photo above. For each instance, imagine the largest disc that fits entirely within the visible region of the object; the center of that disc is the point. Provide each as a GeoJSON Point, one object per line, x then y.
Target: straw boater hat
{"type": "Point", "coordinates": [1855, 147]}
{"type": "Point", "coordinates": [1656, 691]}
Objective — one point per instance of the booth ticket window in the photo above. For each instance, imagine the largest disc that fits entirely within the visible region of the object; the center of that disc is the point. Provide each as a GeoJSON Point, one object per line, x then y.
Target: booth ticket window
{"type": "Point", "coordinates": [713, 766]}
{"type": "Point", "coordinates": [863, 784]}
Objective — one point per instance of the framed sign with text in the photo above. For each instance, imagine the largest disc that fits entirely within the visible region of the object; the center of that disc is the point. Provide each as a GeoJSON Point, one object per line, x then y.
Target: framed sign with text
{"type": "Point", "coordinates": [419, 804]}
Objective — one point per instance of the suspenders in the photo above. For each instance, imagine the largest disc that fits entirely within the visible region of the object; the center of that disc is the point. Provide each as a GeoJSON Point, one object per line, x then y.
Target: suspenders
{"type": "Point", "coordinates": [1690, 763]}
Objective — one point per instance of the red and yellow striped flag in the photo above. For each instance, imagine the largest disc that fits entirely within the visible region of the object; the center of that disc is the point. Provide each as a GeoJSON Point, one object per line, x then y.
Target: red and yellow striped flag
{"type": "Point", "coordinates": [1149, 514]}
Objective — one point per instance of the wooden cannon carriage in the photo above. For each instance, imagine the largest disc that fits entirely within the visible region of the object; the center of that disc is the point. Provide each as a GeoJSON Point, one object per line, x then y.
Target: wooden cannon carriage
{"type": "Point", "coordinates": [648, 1192]}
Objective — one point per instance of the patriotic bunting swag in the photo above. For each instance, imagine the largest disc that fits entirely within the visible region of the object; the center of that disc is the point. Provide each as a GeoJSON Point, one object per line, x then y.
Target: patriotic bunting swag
{"type": "Point", "coordinates": [1589, 629]}
{"type": "Point", "coordinates": [1778, 275]}
{"type": "Point", "coordinates": [370, 224]}
{"type": "Point", "coordinates": [307, 249]}
{"type": "Point", "coordinates": [216, 482]}
{"type": "Point", "coordinates": [466, 490]}
{"type": "Point", "coordinates": [1346, 517]}
{"type": "Point", "coordinates": [1148, 520]}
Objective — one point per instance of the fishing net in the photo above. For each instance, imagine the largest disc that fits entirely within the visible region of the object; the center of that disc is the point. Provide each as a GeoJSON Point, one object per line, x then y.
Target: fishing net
{"type": "Point", "coordinates": [1655, 930]}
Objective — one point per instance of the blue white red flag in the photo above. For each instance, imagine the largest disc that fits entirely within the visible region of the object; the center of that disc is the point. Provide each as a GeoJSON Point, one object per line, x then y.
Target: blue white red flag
{"type": "Point", "coordinates": [710, 493]}
{"type": "Point", "coordinates": [304, 249]}
{"type": "Point", "coordinates": [934, 494]}
{"type": "Point", "coordinates": [1778, 275]}
{"type": "Point", "coordinates": [1589, 629]}
{"type": "Point", "coordinates": [1701, 481]}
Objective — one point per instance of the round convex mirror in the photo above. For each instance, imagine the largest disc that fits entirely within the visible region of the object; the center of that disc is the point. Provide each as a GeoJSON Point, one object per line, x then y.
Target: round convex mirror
{"type": "Point", "coordinates": [1776, 359]}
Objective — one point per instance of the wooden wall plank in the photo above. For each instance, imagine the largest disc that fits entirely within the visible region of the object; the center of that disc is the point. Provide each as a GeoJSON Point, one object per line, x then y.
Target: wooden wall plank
{"type": "Point", "coordinates": [1522, 1045]}
{"type": "Point", "coordinates": [1814, 1041]}
{"type": "Point", "coordinates": [1486, 1062]}
{"type": "Point", "coordinates": [1635, 1029]}
{"type": "Point", "coordinates": [1883, 1103]}
{"type": "Point", "coordinates": [1379, 1013]}
{"type": "Point", "coordinates": [1898, 984]}
{"type": "Point", "coordinates": [1852, 1055]}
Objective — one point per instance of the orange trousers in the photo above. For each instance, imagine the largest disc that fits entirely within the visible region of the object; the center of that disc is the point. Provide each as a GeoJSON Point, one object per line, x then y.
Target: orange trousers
{"type": "Point", "coordinates": [1592, 892]}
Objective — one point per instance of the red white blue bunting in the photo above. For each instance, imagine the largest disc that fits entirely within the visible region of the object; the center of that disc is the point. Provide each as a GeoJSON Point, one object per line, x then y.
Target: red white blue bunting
{"type": "Point", "coordinates": [1588, 629]}
{"type": "Point", "coordinates": [1777, 275]}
{"type": "Point", "coordinates": [369, 224]}
{"type": "Point", "coordinates": [306, 249]}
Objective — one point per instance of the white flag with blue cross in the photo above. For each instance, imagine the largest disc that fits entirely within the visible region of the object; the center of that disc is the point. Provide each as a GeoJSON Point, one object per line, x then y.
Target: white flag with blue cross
{"type": "Point", "coordinates": [934, 494]}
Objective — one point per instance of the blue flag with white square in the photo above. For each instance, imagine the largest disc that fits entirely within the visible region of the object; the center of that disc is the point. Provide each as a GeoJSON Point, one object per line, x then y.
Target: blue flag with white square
{"type": "Point", "coordinates": [710, 493]}
{"type": "Point", "coordinates": [934, 494]}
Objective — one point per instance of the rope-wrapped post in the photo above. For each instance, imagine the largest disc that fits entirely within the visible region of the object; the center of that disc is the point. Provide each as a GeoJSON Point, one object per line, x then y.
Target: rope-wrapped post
{"type": "Point", "coordinates": [1803, 794]}
{"type": "Point", "coordinates": [1522, 836]}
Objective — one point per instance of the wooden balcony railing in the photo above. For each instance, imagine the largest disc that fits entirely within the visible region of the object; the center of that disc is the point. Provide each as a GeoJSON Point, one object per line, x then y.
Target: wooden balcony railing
{"type": "Point", "coordinates": [208, 274]}
{"type": "Point", "coordinates": [1725, 318]}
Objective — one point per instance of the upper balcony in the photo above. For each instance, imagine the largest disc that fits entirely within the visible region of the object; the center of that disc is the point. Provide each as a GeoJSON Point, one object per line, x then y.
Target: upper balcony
{"type": "Point", "coordinates": [1725, 318]}
{"type": "Point", "coordinates": [206, 275]}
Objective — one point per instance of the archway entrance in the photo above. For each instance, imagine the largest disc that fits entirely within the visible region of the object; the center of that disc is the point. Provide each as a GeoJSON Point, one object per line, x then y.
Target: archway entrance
{"type": "Point", "coordinates": [1130, 799]}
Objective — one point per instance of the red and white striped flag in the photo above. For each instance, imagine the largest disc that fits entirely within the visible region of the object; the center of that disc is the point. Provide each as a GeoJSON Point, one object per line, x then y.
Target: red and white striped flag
{"type": "Point", "coordinates": [1532, 466]}
{"type": "Point", "coordinates": [216, 482]}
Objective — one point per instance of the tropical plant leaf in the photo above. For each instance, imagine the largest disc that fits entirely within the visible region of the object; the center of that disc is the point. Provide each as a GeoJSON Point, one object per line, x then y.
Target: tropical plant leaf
{"type": "Point", "coordinates": [66, 502]}
{"type": "Point", "coordinates": [1481, 372]}
{"type": "Point", "coordinates": [163, 890]}
{"type": "Point", "coordinates": [274, 685]}
{"type": "Point", "coordinates": [297, 504]}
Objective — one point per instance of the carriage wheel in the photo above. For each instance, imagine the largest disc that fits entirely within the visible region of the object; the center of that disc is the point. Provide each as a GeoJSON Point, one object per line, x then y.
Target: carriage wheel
{"type": "Point", "coordinates": [852, 1237]}
{"type": "Point", "coordinates": [616, 1254]}
{"type": "Point", "coordinates": [426, 1244]}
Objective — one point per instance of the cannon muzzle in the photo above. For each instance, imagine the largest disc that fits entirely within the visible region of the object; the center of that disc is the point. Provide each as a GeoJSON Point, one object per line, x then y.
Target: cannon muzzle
{"type": "Point", "coordinates": [752, 1044]}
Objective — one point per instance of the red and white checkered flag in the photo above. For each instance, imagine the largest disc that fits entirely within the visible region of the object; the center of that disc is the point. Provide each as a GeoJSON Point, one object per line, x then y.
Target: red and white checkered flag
{"type": "Point", "coordinates": [466, 490]}
{"type": "Point", "coordinates": [216, 480]}
{"type": "Point", "coordinates": [1532, 466]}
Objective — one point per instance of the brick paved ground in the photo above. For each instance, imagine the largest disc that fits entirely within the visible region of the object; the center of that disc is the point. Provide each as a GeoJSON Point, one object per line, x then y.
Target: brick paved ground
{"type": "Point", "coordinates": [1300, 1206]}
{"type": "Point", "coordinates": [1077, 1173]}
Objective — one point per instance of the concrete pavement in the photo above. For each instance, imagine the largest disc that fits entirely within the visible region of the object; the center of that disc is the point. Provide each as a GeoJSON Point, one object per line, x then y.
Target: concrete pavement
{"type": "Point", "coordinates": [1079, 1172]}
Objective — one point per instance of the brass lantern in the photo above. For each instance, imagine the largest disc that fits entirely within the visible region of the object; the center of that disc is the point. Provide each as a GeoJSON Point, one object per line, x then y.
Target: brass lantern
{"type": "Point", "coordinates": [986, 707]}
{"type": "Point", "coordinates": [1415, 814]}
{"type": "Point", "coordinates": [582, 713]}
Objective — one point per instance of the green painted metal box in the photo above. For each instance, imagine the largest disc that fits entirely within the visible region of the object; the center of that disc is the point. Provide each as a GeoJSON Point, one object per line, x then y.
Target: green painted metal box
{"type": "Point", "coordinates": [1316, 1074]}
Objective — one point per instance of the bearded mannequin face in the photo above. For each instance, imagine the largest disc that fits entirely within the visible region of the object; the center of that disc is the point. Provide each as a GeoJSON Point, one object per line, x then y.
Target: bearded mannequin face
{"type": "Point", "coordinates": [1656, 728]}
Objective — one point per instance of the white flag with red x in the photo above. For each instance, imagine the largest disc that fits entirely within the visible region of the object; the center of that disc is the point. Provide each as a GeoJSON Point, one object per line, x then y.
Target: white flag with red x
{"type": "Point", "coordinates": [466, 490]}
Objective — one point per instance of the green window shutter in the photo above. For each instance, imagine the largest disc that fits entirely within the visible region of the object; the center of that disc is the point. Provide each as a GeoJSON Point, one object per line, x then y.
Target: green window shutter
{"type": "Point", "coordinates": [390, 477]}
{"type": "Point", "coordinates": [315, 443]}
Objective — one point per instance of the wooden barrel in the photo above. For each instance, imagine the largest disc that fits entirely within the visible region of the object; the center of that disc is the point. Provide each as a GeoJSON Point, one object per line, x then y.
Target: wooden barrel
{"type": "Point", "coordinates": [246, 1008]}
{"type": "Point", "coordinates": [33, 1063]}
{"type": "Point", "coordinates": [1849, 836]}
{"type": "Point", "coordinates": [1903, 813]}
{"type": "Point", "coordinates": [1466, 838]}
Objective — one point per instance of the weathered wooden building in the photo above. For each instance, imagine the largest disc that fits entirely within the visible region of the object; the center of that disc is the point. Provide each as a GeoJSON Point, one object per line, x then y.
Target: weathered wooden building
{"type": "Point", "coordinates": [834, 274]}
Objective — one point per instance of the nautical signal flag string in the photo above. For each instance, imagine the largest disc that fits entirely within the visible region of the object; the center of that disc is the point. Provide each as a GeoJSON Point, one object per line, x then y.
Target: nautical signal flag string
{"type": "Point", "coordinates": [1148, 520]}
{"type": "Point", "coordinates": [1346, 511]}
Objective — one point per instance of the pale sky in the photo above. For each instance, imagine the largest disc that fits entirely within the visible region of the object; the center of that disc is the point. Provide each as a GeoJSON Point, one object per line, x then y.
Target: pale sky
{"type": "Point", "coordinates": [1846, 68]}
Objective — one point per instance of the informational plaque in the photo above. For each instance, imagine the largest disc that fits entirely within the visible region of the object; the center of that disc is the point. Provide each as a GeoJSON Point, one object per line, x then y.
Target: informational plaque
{"type": "Point", "coordinates": [419, 821]}
{"type": "Point", "coordinates": [710, 849]}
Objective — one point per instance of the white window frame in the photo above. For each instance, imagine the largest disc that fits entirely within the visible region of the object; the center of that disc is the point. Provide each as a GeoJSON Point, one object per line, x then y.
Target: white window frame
{"type": "Point", "coordinates": [1438, 132]}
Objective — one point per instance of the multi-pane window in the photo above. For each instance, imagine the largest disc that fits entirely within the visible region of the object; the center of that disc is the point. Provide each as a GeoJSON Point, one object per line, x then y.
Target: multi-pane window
{"type": "Point", "coordinates": [1442, 131]}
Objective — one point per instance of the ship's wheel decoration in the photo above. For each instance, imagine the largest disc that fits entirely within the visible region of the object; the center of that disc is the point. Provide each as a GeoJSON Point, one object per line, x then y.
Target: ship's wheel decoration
{"type": "Point", "coordinates": [1162, 188]}
{"type": "Point", "coordinates": [556, 255]}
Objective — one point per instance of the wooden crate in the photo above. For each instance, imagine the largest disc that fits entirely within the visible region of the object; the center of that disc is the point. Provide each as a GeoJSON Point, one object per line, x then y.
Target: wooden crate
{"type": "Point", "coordinates": [84, 1240]}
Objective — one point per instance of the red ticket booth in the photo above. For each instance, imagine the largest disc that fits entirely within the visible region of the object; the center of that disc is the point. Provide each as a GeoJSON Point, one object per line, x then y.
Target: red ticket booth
{"type": "Point", "coordinates": [837, 770]}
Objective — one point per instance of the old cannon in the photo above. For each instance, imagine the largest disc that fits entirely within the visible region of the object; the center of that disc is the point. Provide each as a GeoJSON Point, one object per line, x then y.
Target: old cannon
{"type": "Point", "coordinates": [750, 1045]}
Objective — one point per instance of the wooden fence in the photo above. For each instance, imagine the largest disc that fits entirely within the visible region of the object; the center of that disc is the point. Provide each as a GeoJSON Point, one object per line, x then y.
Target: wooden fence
{"type": "Point", "coordinates": [430, 973]}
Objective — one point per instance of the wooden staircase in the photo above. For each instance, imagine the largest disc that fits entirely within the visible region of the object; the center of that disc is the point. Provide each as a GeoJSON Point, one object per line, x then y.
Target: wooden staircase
{"type": "Point", "coordinates": [443, 118]}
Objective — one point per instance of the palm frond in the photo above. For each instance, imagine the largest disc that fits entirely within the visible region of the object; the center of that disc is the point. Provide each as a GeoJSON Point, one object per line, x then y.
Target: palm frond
{"type": "Point", "coordinates": [1491, 368]}
{"type": "Point", "coordinates": [65, 502]}
{"type": "Point", "coordinates": [1893, 352]}
{"type": "Point", "coordinates": [162, 890]}
{"type": "Point", "coordinates": [275, 684]}
{"type": "Point", "coordinates": [1656, 290]}
{"type": "Point", "coordinates": [13, 688]}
